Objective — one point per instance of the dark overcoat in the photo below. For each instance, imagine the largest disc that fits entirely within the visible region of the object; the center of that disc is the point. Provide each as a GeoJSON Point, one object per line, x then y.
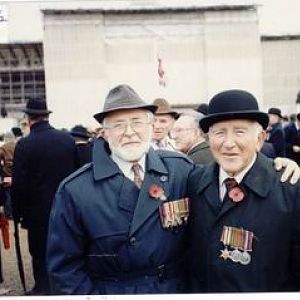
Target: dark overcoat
{"type": "Point", "coordinates": [105, 235]}
{"type": "Point", "coordinates": [292, 138]}
{"type": "Point", "coordinates": [41, 161]}
{"type": "Point", "coordinates": [276, 137]}
{"type": "Point", "coordinates": [270, 210]}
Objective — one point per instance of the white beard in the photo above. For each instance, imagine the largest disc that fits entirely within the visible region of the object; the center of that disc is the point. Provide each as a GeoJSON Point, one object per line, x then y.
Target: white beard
{"type": "Point", "coordinates": [133, 154]}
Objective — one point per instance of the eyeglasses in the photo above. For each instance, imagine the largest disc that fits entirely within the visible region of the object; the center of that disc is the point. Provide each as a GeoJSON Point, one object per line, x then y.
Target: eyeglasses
{"type": "Point", "coordinates": [121, 127]}
{"type": "Point", "coordinates": [175, 131]}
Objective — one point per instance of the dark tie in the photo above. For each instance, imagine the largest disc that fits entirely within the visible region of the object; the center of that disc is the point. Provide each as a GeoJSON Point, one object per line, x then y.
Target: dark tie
{"type": "Point", "coordinates": [136, 168]}
{"type": "Point", "coordinates": [230, 183]}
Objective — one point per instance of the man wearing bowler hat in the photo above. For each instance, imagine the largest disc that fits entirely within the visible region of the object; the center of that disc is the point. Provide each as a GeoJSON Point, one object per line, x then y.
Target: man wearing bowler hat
{"type": "Point", "coordinates": [275, 131]}
{"type": "Point", "coordinates": [244, 222]}
{"type": "Point", "coordinates": [41, 160]}
{"type": "Point", "coordinates": [118, 224]}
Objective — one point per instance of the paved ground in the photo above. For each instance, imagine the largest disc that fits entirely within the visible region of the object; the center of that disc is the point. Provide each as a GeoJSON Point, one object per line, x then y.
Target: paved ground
{"type": "Point", "coordinates": [10, 267]}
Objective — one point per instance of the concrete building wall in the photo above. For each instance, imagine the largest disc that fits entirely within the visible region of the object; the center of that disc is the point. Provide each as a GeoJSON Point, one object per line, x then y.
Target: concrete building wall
{"type": "Point", "coordinates": [202, 52]}
{"type": "Point", "coordinates": [281, 72]}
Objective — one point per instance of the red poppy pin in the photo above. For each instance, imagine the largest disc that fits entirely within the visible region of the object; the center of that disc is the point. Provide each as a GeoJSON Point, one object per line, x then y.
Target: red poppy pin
{"type": "Point", "coordinates": [236, 194]}
{"type": "Point", "coordinates": [157, 192]}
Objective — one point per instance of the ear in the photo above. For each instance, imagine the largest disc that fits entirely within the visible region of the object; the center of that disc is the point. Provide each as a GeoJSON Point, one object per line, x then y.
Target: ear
{"type": "Point", "coordinates": [260, 140]}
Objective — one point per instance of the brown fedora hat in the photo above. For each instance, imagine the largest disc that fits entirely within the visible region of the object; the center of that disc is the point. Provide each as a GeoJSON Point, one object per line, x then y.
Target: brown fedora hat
{"type": "Point", "coordinates": [36, 106]}
{"type": "Point", "coordinates": [122, 97]}
{"type": "Point", "coordinates": [164, 108]}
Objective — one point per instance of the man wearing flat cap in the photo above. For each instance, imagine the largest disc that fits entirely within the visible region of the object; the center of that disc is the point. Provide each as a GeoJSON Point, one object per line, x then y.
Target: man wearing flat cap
{"type": "Point", "coordinates": [244, 222]}
{"type": "Point", "coordinates": [41, 160]}
{"type": "Point", "coordinates": [164, 118]}
{"type": "Point", "coordinates": [118, 224]}
{"type": "Point", "coordinates": [275, 132]}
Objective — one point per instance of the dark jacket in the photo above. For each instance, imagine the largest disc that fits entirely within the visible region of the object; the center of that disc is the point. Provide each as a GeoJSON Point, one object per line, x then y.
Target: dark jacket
{"type": "Point", "coordinates": [41, 160]}
{"type": "Point", "coordinates": [292, 138]}
{"type": "Point", "coordinates": [276, 137]}
{"type": "Point", "coordinates": [84, 153]}
{"type": "Point", "coordinates": [105, 235]}
{"type": "Point", "coordinates": [201, 154]}
{"type": "Point", "coordinates": [270, 210]}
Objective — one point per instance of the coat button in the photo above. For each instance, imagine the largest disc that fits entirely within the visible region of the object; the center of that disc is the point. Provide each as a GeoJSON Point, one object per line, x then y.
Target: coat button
{"type": "Point", "coordinates": [132, 241]}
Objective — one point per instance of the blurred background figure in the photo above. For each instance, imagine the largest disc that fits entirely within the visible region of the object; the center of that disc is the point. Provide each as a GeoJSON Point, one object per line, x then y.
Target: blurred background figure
{"type": "Point", "coordinates": [6, 160]}
{"type": "Point", "coordinates": [202, 108]}
{"type": "Point", "coordinates": [24, 126]}
{"type": "Point", "coordinates": [292, 138]}
{"type": "Point", "coordinates": [83, 144]}
{"type": "Point", "coordinates": [190, 139]}
{"type": "Point", "coordinates": [164, 119]}
{"type": "Point", "coordinates": [17, 132]}
{"type": "Point", "coordinates": [275, 132]}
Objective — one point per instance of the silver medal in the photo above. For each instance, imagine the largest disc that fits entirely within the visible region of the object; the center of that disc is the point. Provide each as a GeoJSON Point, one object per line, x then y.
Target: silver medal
{"type": "Point", "coordinates": [245, 258]}
{"type": "Point", "coordinates": [235, 255]}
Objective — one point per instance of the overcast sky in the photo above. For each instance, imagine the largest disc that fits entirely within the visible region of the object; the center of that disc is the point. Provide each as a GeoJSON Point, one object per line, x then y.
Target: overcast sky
{"type": "Point", "coordinates": [280, 16]}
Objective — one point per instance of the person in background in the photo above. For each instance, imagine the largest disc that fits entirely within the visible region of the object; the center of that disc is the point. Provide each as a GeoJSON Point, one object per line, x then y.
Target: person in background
{"type": "Point", "coordinates": [275, 132]}
{"type": "Point", "coordinates": [24, 126]}
{"type": "Point", "coordinates": [42, 159]}
{"type": "Point", "coordinates": [164, 119]}
{"type": "Point", "coordinates": [83, 144]}
{"type": "Point", "coordinates": [202, 108]}
{"type": "Point", "coordinates": [292, 138]}
{"type": "Point", "coordinates": [190, 139]}
{"type": "Point", "coordinates": [244, 222]}
{"type": "Point", "coordinates": [17, 132]}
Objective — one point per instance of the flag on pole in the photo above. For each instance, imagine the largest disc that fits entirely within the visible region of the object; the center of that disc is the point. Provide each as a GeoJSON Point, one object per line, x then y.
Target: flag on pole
{"type": "Point", "coordinates": [161, 72]}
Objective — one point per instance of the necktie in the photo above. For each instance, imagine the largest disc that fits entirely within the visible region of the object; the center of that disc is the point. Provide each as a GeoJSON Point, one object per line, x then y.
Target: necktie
{"type": "Point", "coordinates": [136, 168]}
{"type": "Point", "coordinates": [230, 183]}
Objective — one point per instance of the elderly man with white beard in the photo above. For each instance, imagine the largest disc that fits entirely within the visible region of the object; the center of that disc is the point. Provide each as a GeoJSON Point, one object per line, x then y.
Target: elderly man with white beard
{"type": "Point", "coordinates": [118, 225]}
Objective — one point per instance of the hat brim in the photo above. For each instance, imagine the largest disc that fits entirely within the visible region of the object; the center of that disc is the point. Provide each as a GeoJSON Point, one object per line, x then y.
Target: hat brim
{"type": "Point", "coordinates": [100, 116]}
{"type": "Point", "coordinates": [36, 112]}
{"type": "Point", "coordinates": [80, 135]}
{"type": "Point", "coordinates": [260, 117]}
{"type": "Point", "coordinates": [174, 114]}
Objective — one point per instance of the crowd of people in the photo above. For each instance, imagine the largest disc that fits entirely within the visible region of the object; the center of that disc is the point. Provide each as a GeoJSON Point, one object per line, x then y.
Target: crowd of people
{"type": "Point", "coordinates": [157, 201]}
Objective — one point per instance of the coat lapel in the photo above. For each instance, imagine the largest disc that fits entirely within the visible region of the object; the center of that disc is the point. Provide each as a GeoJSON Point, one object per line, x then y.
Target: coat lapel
{"type": "Point", "coordinates": [156, 173]}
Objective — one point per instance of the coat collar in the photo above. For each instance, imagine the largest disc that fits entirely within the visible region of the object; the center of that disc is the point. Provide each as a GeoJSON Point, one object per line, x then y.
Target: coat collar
{"type": "Point", "coordinates": [104, 166]}
{"type": "Point", "coordinates": [42, 125]}
{"type": "Point", "coordinates": [197, 147]}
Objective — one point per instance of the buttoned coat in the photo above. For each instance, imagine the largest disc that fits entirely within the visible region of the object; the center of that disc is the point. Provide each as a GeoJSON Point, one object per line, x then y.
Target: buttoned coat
{"type": "Point", "coordinates": [41, 161]}
{"type": "Point", "coordinates": [270, 210]}
{"type": "Point", "coordinates": [105, 235]}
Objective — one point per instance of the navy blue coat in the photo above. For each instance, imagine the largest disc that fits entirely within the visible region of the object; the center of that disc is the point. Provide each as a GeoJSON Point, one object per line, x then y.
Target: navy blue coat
{"type": "Point", "coordinates": [271, 210]}
{"type": "Point", "coordinates": [105, 235]}
{"type": "Point", "coordinates": [292, 138]}
{"type": "Point", "coordinates": [277, 138]}
{"type": "Point", "coordinates": [41, 161]}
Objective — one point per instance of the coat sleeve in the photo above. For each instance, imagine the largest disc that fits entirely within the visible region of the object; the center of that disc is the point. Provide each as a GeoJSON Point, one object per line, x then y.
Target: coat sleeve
{"type": "Point", "coordinates": [295, 258]}
{"type": "Point", "coordinates": [65, 248]}
{"type": "Point", "coordinates": [20, 184]}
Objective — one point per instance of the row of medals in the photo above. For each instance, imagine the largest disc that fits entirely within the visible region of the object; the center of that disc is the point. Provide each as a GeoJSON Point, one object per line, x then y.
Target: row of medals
{"type": "Point", "coordinates": [237, 256]}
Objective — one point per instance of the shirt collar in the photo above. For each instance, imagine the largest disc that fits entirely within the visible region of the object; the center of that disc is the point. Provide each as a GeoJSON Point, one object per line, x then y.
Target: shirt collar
{"type": "Point", "coordinates": [125, 166]}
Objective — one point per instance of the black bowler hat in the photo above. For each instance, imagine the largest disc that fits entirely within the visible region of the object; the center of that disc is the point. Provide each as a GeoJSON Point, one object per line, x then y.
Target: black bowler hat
{"type": "Point", "coordinates": [36, 106]}
{"type": "Point", "coordinates": [80, 131]}
{"type": "Point", "coordinates": [122, 97]}
{"type": "Point", "coordinates": [233, 104]}
{"type": "Point", "coordinates": [275, 111]}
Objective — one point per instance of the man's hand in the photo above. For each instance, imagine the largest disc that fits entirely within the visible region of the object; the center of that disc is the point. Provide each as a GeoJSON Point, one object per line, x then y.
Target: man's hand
{"type": "Point", "coordinates": [292, 171]}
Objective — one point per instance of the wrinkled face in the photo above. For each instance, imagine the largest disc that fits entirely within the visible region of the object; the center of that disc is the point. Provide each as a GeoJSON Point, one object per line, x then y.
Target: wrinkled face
{"type": "Point", "coordinates": [234, 143]}
{"type": "Point", "coordinates": [185, 133]}
{"type": "Point", "coordinates": [162, 125]}
{"type": "Point", "coordinates": [128, 133]}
